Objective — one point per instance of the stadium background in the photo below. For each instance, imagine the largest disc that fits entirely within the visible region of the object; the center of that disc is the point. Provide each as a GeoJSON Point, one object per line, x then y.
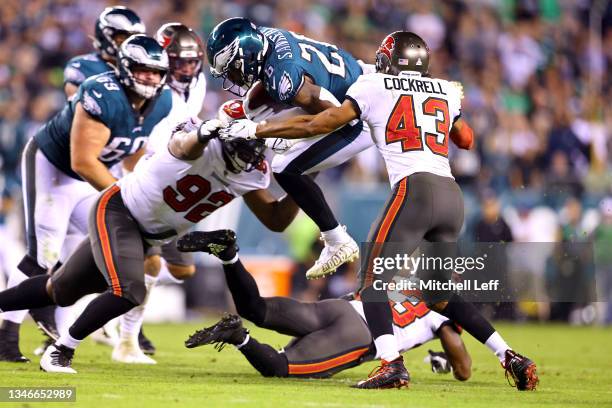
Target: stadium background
{"type": "Point", "coordinates": [536, 77]}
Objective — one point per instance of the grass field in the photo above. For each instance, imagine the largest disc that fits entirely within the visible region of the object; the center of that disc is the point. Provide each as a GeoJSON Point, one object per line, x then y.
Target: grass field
{"type": "Point", "coordinates": [575, 366]}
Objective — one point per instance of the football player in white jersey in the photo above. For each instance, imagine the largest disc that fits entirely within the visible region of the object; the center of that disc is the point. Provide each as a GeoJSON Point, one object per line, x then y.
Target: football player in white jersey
{"type": "Point", "coordinates": [412, 116]}
{"type": "Point", "coordinates": [167, 194]}
{"type": "Point", "coordinates": [329, 335]}
{"type": "Point", "coordinates": [188, 84]}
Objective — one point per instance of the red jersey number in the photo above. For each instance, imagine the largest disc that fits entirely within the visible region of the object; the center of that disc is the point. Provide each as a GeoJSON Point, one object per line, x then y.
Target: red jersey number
{"type": "Point", "coordinates": [406, 313]}
{"type": "Point", "coordinates": [187, 197]}
{"type": "Point", "coordinates": [402, 125]}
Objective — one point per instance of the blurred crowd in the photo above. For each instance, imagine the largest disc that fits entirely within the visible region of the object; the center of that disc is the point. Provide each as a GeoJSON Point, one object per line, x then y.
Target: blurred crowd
{"type": "Point", "coordinates": [536, 77]}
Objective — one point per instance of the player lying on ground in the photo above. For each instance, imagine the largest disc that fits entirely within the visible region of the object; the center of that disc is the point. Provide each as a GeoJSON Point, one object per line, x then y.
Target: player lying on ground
{"type": "Point", "coordinates": [167, 194]}
{"type": "Point", "coordinates": [412, 117]}
{"type": "Point", "coordinates": [329, 335]}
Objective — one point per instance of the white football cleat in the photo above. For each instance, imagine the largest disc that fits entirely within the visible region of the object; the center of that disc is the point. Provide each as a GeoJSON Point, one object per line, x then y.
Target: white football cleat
{"type": "Point", "coordinates": [332, 256]}
{"type": "Point", "coordinates": [57, 359]}
{"type": "Point", "coordinates": [105, 337]}
{"type": "Point", "coordinates": [128, 351]}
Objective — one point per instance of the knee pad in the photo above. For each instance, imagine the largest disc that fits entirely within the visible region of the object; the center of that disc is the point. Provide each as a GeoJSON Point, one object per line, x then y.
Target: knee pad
{"type": "Point", "coordinates": [134, 292]}
{"type": "Point", "coordinates": [64, 296]}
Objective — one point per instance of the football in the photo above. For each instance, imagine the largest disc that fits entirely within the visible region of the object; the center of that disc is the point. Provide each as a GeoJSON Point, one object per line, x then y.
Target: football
{"type": "Point", "coordinates": [258, 105]}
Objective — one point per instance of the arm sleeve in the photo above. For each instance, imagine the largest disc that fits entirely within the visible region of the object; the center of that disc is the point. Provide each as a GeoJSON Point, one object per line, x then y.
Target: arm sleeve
{"type": "Point", "coordinates": [359, 94]}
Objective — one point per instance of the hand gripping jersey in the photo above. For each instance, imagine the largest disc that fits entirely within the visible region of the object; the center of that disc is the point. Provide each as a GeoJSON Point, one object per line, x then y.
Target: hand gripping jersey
{"type": "Point", "coordinates": [182, 109]}
{"type": "Point", "coordinates": [81, 67]}
{"type": "Point", "coordinates": [293, 56]}
{"type": "Point", "coordinates": [410, 117]}
{"type": "Point", "coordinates": [105, 100]}
{"type": "Point", "coordinates": [167, 196]}
{"type": "Point", "coordinates": [413, 323]}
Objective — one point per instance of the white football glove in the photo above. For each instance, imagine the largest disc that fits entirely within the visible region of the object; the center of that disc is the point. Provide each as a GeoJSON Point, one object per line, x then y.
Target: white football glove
{"type": "Point", "coordinates": [209, 130]}
{"type": "Point", "coordinates": [241, 128]}
{"type": "Point", "coordinates": [187, 126]}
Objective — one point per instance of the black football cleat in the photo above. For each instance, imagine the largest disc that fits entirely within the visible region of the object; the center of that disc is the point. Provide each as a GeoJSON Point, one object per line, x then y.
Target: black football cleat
{"type": "Point", "coordinates": [45, 320]}
{"type": "Point", "coordinates": [9, 345]}
{"type": "Point", "coordinates": [220, 243]}
{"type": "Point", "coordinates": [228, 330]}
{"type": "Point", "coordinates": [145, 344]}
{"type": "Point", "coordinates": [390, 374]}
{"type": "Point", "coordinates": [51, 336]}
{"type": "Point", "coordinates": [522, 370]}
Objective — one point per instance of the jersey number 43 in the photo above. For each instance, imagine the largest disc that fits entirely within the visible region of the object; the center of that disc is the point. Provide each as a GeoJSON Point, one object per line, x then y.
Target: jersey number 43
{"type": "Point", "coordinates": [187, 197]}
{"type": "Point", "coordinates": [402, 125]}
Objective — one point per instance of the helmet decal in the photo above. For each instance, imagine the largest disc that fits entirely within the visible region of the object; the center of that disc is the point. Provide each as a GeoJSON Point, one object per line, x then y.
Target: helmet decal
{"type": "Point", "coordinates": [121, 22]}
{"type": "Point", "coordinates": [222, 59]}
{"type": "Point", "coordinates": [387, 46]}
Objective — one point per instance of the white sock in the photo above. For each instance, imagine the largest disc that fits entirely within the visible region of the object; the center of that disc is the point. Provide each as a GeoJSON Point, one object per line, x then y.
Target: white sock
{"type": "Point", "coordinates": [67, 340]}
{"type": "Point", "coordinates": [63, 318]}
{"type": "Point", "coordinates": [386, 347]}
{"type": "Point", "coordinates": [231, 261]}
{"type": "Point", "coordinates": [246, 340]}
{"type": "Point", "coordinates": [15, 316]}
{"type": "Point", "coordinates": [336, 235]}
{"type": "Point", "coordinates": [498, 346]}
{"type": "Point", "coordinates": [131, 322]}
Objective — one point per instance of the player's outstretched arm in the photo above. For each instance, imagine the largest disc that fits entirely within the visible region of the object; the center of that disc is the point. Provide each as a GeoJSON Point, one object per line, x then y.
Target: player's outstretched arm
{"type": "Point", "coordinates": [309, 125]}
{"type": "Point", "coordinates": [312, 98]}
{"type": "Point", "coordinates": [275, 214]}
{"type": "Point", "coordinates": [189, 138]}
{"type": "Point", "coordinates": [88, 137]}
{"type": "Point", "coordinates": [456, 352]}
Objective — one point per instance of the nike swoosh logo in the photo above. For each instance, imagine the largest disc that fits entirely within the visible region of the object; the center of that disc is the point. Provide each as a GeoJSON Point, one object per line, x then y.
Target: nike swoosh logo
{"type": "Point", "coordinates": [98, 94]}
{"type": "Point", "coordinates": [76, 64]}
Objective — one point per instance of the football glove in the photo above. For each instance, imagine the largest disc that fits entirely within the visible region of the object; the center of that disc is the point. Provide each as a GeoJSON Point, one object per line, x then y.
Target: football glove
{"type": "Point", "coordinates": [439, 362]}
{"type": "Point", "coordinates": [209, 130]}
{"type": "Point", "coordinates": [239, 129]}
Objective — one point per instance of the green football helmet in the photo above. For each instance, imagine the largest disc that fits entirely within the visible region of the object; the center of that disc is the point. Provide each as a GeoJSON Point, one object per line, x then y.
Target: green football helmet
{"type": "Point", "coordinates": [236, 52]}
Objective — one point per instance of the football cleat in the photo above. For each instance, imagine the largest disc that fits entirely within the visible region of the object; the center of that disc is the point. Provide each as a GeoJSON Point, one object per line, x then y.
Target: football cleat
{"type": "Point", "coordinates": [228, 330]}
{"type": "Point", "coordinates": [220, 243]}
{"type": "Point", "coordinates": [9, 346]}
{"type": "Point", "coordinates": [51, 336]}
{"type": "Point", "coordinates": [522, 370]}
{"type": "Point", "coordinates": [103, 336]}
{"type": "Point", "coordinates": [44, 317]}
{"type": "Point", "coordinates": [57, 359]}
{"type": "Point", "coordinates": [333, 256]}
{"type": "Point", "coordinates": [390, 374]}
{"type": "Point", "coordinates": [128, 351]}
{"type": "Point", "coordinates": [146, 345]}
{"type": "Point", "coordinates": [40, 350]}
